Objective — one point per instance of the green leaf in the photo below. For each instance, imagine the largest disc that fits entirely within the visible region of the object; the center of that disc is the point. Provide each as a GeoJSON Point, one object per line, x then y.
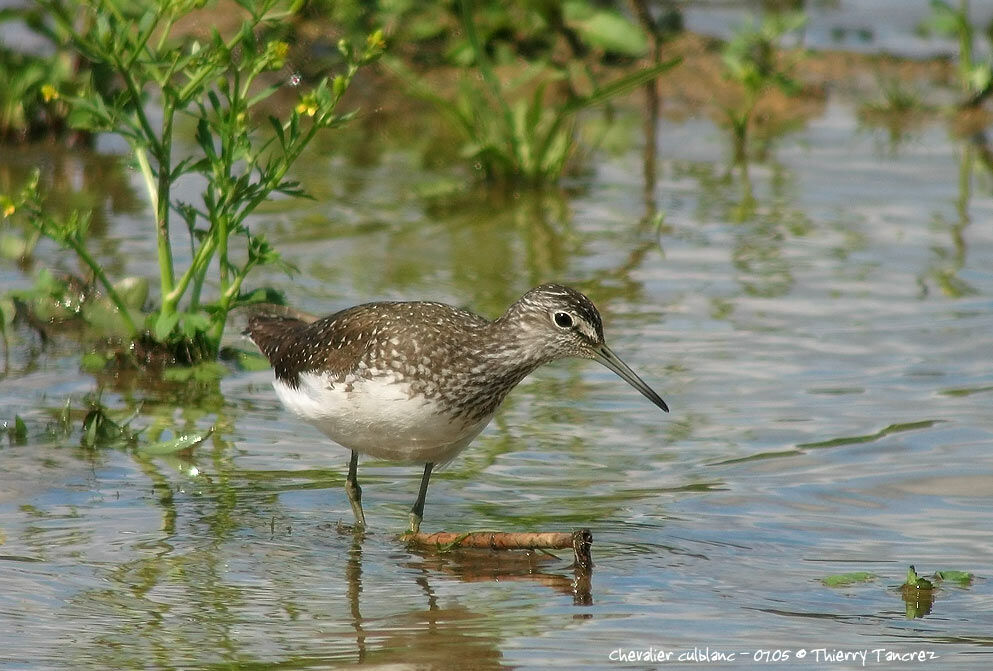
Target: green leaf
{"type": "Point", "coordinates": [65, 416]}
{"type": "Point", "coordinates": [963, 578]}
{"type": "Point", "coordinates": [979, 77]}
{"type": "Point", "coordinates": [184, 442]}
{"type": "Point", "coordinates": [605, 29]}
{"type": "Point", "coordinates": [251, 361]}
{"type": "Point", "coordinates": [93, 362]}
{"type": "Point", "coordinates": [277, 126]}
{"type": "Point", "coordinates": [261, 295]}
{"type": "Point", "coordinates": [8, 310]}
{"type": "Point", "coordinates": [205, 139]}
{"type": "Point", "coordinates": [13, 247]}
{"type": "Point", "coordinates": [845, 579]}
{"type": "Point", "coordinates": [104, 316]}
{"type": "Point", "coordinates": [20, 431]}
{"type": "Point", "coordinates": [46, 284]}
{"type": "Point", "coordinates": [99, 430]}
{"type": "Point", "coordinates": [194, 323]}
{"type": "Point", "coordinates": [622, 85]}
{"type": "Point", "coordinates": [208, 371]}
{"type": "Point", "coordinates": [945, 20]}
{"type": "Point", "coordinates": [914, 581]}
{"type": "Point", "coordinates": [556, 153]}
{"type": "Point", "coordinates": [164, 325]}
{"type": "Point", "coordinates": [133, 291]}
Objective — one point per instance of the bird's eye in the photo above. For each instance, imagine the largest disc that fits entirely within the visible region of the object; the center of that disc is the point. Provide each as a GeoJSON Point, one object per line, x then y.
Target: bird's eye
{"type": "Point", "coordinates": [563, 320]}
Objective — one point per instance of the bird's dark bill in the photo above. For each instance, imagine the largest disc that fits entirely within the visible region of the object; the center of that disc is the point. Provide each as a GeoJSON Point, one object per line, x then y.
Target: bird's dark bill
{"type": "Point", "coordinates": [611, 361]}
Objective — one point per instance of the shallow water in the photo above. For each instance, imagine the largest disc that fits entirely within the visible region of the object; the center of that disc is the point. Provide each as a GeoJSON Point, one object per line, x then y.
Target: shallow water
{"type": "Point", "coordinates": [822, 330]}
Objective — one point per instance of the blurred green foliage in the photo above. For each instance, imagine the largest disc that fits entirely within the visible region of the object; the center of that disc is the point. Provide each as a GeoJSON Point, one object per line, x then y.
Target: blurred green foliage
{"type": "Point", "coordinates": [530, 68]}
{"type": "Point", "coordinates": [975, 75]}
{"type": "Point", "coordinates": [31, 104]}
{"type": "Point", "coordinates": [753, 59]}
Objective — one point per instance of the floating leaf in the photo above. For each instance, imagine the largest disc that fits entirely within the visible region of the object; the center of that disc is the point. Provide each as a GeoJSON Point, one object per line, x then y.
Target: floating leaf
{"type": "Point", "coordinates": [963, 578]}
{"type": "Point", "coordinates": [187, 441]}
{"type": "Point", "coordinates": [845, 579]}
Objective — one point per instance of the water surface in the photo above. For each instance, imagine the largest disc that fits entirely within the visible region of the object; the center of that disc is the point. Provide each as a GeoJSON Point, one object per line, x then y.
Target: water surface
{"type": "Point", "coordinates": [822, 328]}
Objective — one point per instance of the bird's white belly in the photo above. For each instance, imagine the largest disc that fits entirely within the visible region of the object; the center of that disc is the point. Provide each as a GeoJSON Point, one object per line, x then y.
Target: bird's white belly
{"type": "Point", "coordinates": [379, 417]}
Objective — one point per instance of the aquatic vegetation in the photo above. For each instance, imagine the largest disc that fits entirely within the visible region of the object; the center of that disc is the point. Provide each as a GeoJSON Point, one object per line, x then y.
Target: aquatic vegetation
{"type": "Point", "coordinates": [847, 579]}
{"type": "Point", "coordinates": [16, 430]}
{"type": "Point", "coordinates": [753, 60]}
{"type": "Point", "coordinates": [896, 98]}
{"type": "Point", "coordinates": [975, 75]}
{"type": "Point", "coordinates": [31, 99]}
{"type": "Point", "coordinates": [521, 128]}
{"type": "Point", "coordinates": [240, 155]}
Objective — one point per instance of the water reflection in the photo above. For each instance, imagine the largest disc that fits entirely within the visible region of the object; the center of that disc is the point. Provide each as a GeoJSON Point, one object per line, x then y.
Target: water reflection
{"type": "Point", "coordinates": [948, 262]}
{"type": "Point", "coordinates": [230, 572]}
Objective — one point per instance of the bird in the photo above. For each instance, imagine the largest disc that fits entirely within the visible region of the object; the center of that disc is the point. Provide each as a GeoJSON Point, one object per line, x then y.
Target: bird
{"type": "Point", "coordinates": [416, 381]}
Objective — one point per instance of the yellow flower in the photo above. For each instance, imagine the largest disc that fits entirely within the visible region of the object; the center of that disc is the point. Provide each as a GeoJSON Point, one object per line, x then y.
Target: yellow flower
{"type": "Point", "coordinates": [375, 41]}
{"type": "Point", "coordinates": [48, 93]}
{"type": "Point", "coordinates": [310, 109]}
{"type": "Point", "coordinates": [307, 105]}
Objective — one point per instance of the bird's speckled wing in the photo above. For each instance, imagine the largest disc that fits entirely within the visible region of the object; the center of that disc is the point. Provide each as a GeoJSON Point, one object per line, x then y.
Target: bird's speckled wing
{"type": "Point", "coordinates": [334, 344]}
{"type": "Point", "coordinates": [396, 335]}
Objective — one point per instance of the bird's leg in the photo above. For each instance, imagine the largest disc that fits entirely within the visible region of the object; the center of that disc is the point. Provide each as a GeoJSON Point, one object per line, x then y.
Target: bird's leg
{"type": "Point", "coordinates": [353, 490]}
{"type": "Point", "coordinates": [417, 512]}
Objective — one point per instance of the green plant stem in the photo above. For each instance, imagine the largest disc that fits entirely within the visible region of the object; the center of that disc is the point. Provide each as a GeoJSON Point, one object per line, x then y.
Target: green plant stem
{"type": "Point", "coordinates": [965, 45]}
{"type": "Point", "coordinates": [224, 303]}
{"type": "Point", "coordinates": [146, 172]}
{"type": "Point", "coordinates": [196, 269]}
{"type": "Point", "coordinates": [167, 277]}
{"type": "Point", "coordinates": [105, 282]}
{"type": "Point", "coordinates": [213, 84]}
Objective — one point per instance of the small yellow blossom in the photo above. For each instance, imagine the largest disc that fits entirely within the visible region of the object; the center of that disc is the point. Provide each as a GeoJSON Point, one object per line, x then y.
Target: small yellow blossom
{"type": "Point", "coordinates": [48, 93]}
{"type": "Point", "coordinates": [275, 54]}
{"type": "Point", "coordinates": [375, 41]}
{"type": "Point", "coordinates": [307, 105]}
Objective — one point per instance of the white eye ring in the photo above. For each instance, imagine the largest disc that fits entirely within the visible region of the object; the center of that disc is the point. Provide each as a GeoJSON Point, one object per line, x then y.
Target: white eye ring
{"type": "Point", "coordinates": [563, 320]}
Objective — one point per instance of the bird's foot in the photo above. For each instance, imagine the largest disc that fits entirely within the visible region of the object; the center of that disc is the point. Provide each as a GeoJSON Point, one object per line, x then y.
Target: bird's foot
{"type": "Point", "coordinates": [415, 524]}
{"type": "Point", "coordinates": [355, 498]}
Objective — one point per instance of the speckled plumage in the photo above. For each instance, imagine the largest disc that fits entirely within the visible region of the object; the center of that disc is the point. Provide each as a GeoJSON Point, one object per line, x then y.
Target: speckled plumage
{"type": "Point", "coordinates": [417, 381]}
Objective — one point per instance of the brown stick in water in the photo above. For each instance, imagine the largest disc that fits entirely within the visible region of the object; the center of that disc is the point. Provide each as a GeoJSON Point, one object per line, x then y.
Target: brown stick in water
{"type": "Point", "coordinates": [580, 541]}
